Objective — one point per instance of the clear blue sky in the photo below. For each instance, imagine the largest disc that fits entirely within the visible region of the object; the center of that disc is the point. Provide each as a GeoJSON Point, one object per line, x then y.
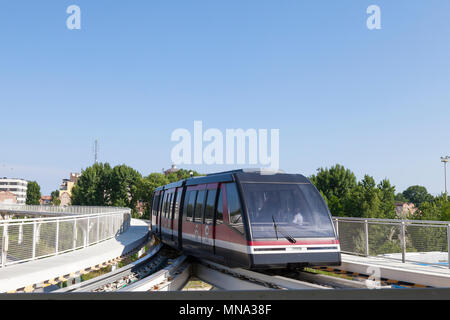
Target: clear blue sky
{"type": "Point", "coordinates": [375, 101]}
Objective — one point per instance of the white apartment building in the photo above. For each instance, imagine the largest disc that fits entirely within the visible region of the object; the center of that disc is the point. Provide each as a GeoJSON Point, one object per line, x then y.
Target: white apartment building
{"type": "Point", "coordinates": [16, 186]}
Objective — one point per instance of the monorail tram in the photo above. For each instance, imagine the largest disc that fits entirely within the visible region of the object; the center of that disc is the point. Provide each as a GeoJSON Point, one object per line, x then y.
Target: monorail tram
{"type": "Point", "coordinates": [247, 219]}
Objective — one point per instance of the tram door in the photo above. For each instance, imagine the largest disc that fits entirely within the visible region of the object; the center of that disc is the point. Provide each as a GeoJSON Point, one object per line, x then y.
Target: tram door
{"type": "Point", "coordinates": [156, 200]}
{"type": "Point", "coordinates": [159, 213]}
{"type": "Point", "coordinates": [166, 216]}
{"type": "Point", "coordinates": [208, 227]}
{"type": "Point", "coordinates": [176, 236]}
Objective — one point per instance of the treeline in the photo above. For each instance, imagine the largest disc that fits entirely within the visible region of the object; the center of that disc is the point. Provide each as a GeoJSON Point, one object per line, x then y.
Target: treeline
{"type": "Point", "coordinates": [348, 197]}
{"type": "Point", "coordinates": [123, 186]}
{"type": "Point", "coordinates": [120, 186]}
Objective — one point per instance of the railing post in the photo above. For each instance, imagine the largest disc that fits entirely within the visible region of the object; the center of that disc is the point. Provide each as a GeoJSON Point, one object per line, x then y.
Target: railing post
{"type": "Point", "coordinates": [98, 228]}
{"type": "Point", "coordinates": [86, 238]}
{"type": "Point", "coordinates": [366, 232]}
{"type": "Point", "coordinates": [75, 232]}
{"type": "Point", "coordinates": [337, 226]}
{"type": "Point", "coordinates": [403, 240]}
{"type": "Point", "coordinates": [448, 245]}
{"type": "Point", "coordinates": [57, 236]}
{"type": "Point", "coordinates": [33, 253]}
{"type": "Point", "coordinates": [4, 244]}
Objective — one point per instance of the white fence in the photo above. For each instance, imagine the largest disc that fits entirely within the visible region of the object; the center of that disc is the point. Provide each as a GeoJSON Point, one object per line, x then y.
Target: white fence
{"type": "Point", "coordinates": [68, 229]}
{"type": "Point", "coordinates": [406, 240]}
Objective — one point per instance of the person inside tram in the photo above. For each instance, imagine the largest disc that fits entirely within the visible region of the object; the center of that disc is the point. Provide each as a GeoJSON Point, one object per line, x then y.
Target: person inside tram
{"type": "Point", "coordinates": [298, 217]}
{"type": "Point", "coordinates": [296, 212]}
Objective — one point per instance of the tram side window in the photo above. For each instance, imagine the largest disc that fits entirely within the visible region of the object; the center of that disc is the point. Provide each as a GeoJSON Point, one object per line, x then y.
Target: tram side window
{"type": "Point", "coordinates": [199, 206]}
{"type": "Point", "coordinates": [160, 205]}
{"type": "Point", "coordinates": [219, 211]}
{"type": "Point", "coordinates": [185, 203]}
{"type": "Point", "coordinates": [191, 206]}
{"type": "Point", "coordinates": [210, 202]}
{"type": "Point", "coordinates": [165, 209]}
{"type": "Point", "coordinates": [234, 207]}
{"type": "Point", "coordinates": [164, 214]}
{"type": "Point", "coordinates": [170, 207]}
{"type": "Point", "coordinates": [177, 204]}
{"type": "Point", "coordinates": [155, 205]}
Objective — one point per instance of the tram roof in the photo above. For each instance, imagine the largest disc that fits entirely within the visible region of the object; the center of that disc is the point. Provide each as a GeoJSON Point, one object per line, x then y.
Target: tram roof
{"type": "Point", "coordinates": [242, 176]}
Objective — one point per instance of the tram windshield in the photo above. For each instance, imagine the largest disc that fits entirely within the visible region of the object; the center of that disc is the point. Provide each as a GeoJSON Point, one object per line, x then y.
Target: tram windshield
{"type": "Point", "coordinates": [286, 211]}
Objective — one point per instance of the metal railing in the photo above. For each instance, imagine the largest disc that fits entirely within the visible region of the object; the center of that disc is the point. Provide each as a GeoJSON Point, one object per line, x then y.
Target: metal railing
{"type": "Point", "coordinates": [70, 229]}
{"type": "Point", "coordinates": [416, 241]}
{"type": "Point", "coordinates": [55, 210]}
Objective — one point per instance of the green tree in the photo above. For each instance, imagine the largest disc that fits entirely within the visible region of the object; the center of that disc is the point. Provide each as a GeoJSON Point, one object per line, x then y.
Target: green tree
{"type": "Point", "coordinates": [387, 200]}
{"type": "Point", "coordinates": [33, 193]}
{"type": "Point", "coordinates": [431, 238]}
{"type": "Point", "coordinates": [147, 186]}
{"type": "Point", "coordinates": [336, 184]}
{"type": "Point", "coordinates": [93, 186]}
{"type": "Point", "coordinates": [445, 209]}
{"type": "Point", "coordinates": [55, 198]}
{"type": "Point", "coordinates": [400, 197]}
{"type": "Point", "coordinates": [123, 186]}
{"type": "Point", "coordinates": [181, 174]}
{"type": "Point", "coordinates": [417, 195]}
{"type": "Point", "coordinates": [438, 209]}
{"type": "Point", "coordinates": [363, 200]}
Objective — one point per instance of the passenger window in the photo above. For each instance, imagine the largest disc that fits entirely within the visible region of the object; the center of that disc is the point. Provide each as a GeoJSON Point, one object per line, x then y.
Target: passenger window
{"type": "Point", "coordinates": [166, 213]}
{"type": "Point", "coordinates": [191, 205]}
{"type": "Point", "coordinates": [170, 206]}
{"type": "Point", "coordinates": [185, 203]}
{"type": "Point", "coordinates": [199, 206]}
{"type": "Point", "coordinates": [155, 205]}
{"type": "Point", "coordinates": [210, 203]}
{"type": "Point", "coordinates": [219, 211]}
{"type": "Point", "coordinates": [177, 204]}
{"type": "Point", "coordinates": [234, 207]}
{"type": "Point", "coordinates": [160, 204]}
{"type": "Point", "coordinates": [164, 206]}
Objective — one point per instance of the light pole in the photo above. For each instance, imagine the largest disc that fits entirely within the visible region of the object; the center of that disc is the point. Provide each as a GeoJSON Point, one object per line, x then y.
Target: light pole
{"type": "Point", "coordinates": [445, 160]}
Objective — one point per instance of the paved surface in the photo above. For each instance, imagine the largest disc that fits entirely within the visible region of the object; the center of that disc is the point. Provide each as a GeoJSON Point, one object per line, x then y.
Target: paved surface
{"type": "Point", "coordinates": [419, 273]}
{"type": "Point", "coordinates": [33, 272]}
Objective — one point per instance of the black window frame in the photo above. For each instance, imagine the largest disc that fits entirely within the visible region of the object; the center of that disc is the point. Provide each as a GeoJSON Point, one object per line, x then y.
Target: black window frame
{"type": "Point", "coordinates": [198, 217]}
{"type": "Point", "coordinates": [176, 213]}
{"type": "Point", "coordinates": [170, 206]}
{"type": "Point", "coordinates": [155, 205]}
{"type": "Point", "coordinates": [187, 195]}
{"type": "Point", "coordinates": [233, 223]}
{"type": "Point", "coordinates": [165, 202]}
{"type": "Point", "coordinates": [160, 204]}
{"type": "Point", "coordinates": [219, 204]}
{"type": "Point", "coordinates": [190, 217]}
{"type": "Point", "coordinates": [208, 206]}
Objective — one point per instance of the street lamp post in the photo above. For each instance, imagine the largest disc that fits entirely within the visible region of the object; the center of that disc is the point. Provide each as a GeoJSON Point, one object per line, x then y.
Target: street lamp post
{"type": "Point", "coordinates": [445, 160]}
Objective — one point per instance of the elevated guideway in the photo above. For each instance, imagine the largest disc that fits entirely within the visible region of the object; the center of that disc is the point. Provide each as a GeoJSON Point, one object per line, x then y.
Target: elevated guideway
{"type": "Point", "coordinates": [26, 277]}
{"type": "Point", "coordinates": [417, 273]}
